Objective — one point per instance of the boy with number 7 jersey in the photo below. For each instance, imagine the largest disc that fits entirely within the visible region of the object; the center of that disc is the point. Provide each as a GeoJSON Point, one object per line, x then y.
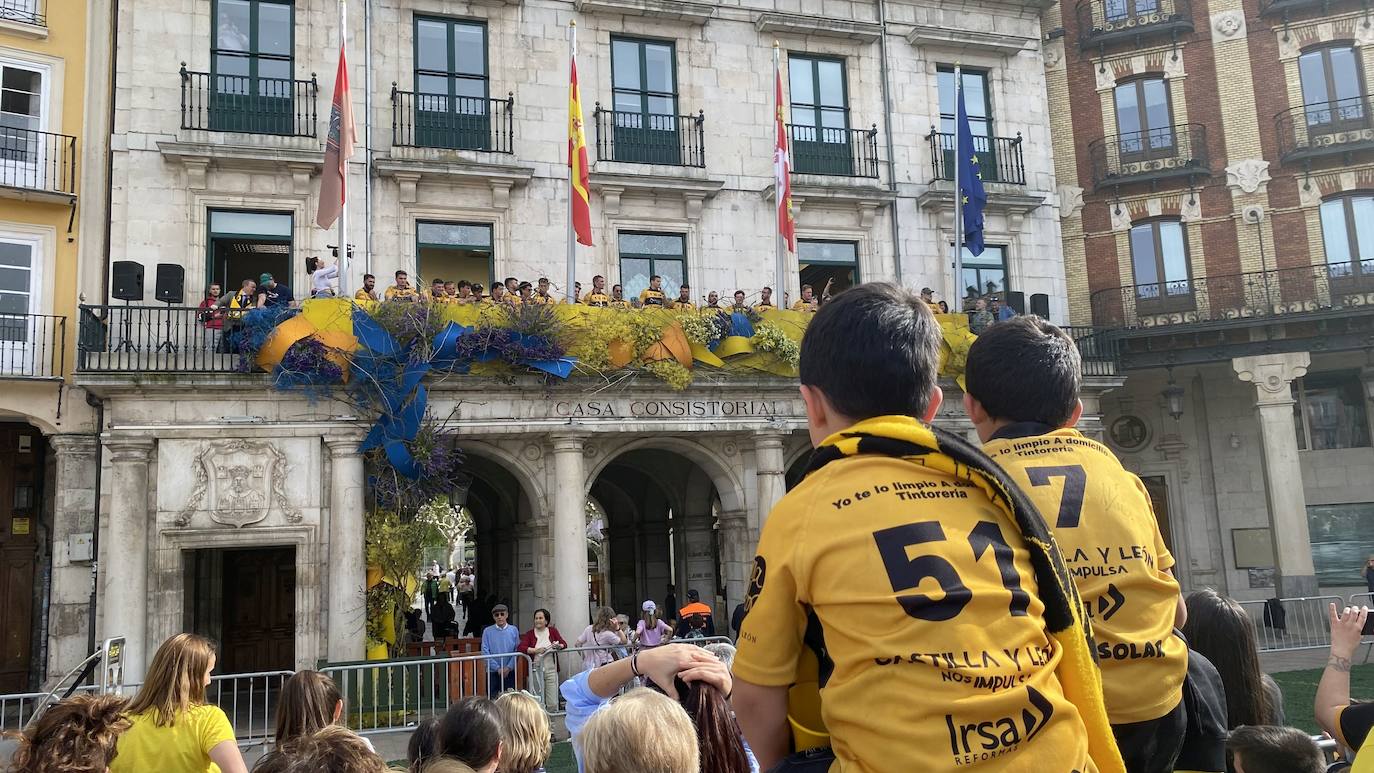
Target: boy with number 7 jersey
{"type": "Point", "coordinates": [1023, 377]}
{"type": "Point", "coordinates": [947, 630]}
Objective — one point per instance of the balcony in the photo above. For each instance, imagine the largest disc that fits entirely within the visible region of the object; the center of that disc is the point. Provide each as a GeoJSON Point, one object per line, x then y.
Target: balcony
{"type": "Point", "coordinates": [1000, 159]}
{"type": "Point", "coordinates": [24, 17]}
{"type": "Point", "coordinates": [32, 346]}
{"type": "Point", "coordinates": [1103, 23]}
{"type": "Point", "coordinates": [1285, 8]}
{"type": "Point", "coordinates": [37, 165]}
{"type": "Point", "coordinates": [452, 123]}
{"type": "Point", "coordinates": [1097, 349]}
{"type": "Point", "coordinates": [1326, 129]}
{"type": "Point", "coordinates": [234, 103]}
{"type": "Point", "coordinates": [839, 152]}
{"type": "Point", "coordinates": [1149, 156]}
{"type": "Point", "coordinates": [650, 138]}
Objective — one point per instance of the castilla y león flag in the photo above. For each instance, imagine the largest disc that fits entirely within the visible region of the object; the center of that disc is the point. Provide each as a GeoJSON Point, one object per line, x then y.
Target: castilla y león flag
{"type": "Point", "coordinates": [577, 162]}
{"type": "Point", "coordinates": [337, 150]}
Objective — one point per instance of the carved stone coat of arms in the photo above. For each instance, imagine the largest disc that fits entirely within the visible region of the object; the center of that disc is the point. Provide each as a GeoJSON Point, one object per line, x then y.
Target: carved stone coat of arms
{"type": "Point", "coordinates": [238, 482]}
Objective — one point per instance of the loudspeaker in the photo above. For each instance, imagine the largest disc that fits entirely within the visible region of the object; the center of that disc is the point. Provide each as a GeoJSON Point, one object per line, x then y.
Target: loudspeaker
{"type": "Point", "coordinates": [171, 280]}
{"type": "Point", "coordinates": [1040, 305]}
{"type": "Point", "coordinates": [1016, 300]}
{"type": "Point", "coordinates": [128, 280]}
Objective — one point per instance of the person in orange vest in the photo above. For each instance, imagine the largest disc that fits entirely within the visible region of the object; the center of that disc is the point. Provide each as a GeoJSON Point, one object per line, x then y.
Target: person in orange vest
{"type": "Point", "coordinates": [694, 609]}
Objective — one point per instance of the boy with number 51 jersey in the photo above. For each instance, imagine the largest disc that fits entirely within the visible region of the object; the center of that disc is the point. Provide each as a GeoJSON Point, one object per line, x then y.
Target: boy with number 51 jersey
{"type": "Point", "coordinates": [1023, 377]}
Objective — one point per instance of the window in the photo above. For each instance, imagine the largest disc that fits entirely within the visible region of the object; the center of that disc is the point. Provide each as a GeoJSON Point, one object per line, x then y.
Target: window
{"type": "Point", "coordinates": [834, 262]}
{"type": "Point", "coordinates": [1348, 230]}
{"type": "Point", "coordinates": [1342, 540]}
{"type": "Point", "coordinates": [251, 67]}
{"type": "Point", "coordinates": [978, 102]}
{"type": "Point", "coordinates": [245, 245]}
{"type": "Point", "coordinates": [820, 116]}
{"type": "Point", "coordinates": [643, 255]}
{"type": "Point", "coordinates": [644, 98]}
{"type": "Point", "coordinates": [21, 121]}
{"type": "Point", "coordinates": [1332, 89]}
{"type": "Point", "coordinates": [985, 275]}
{"type": "Point", "coordinates": [1144, 120]}
{"type": "Point", "coordinates": [1329, 411]}
{"type": "Point", "coordinates": [453, 251]}
{"type": "Point", "coordinates": [1159, 254]}
{"type": "Point", "coordinates": [451, 84]}
{"type": "Point", "coordinates": [1122, 10]}
{"type": "Point", "coordinates": [20, 291]}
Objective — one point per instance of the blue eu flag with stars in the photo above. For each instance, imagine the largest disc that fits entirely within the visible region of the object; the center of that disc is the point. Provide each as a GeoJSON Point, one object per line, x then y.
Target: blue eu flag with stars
{"type": "Point", "coordinates": [975, 198]}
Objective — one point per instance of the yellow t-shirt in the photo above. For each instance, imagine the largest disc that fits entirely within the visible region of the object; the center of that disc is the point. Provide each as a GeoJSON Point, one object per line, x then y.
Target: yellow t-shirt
{"type": "Point", "coordinates": [1106, 529]}
{"type": "Point", "coordinates": [932, 623]}
{"type": "Point", "coordinates": [804, 306]}
{"type": "Point", "coordinates": [762, 307]}
{"type": "Point", "coordinates": [596, 299]}
{"type": "Point", "coordinates": [684, 306]}
{"type": "Point", "coordinates": [363, 295]}
{"type": "Point", "coordinates": [652, 298]}
{"type": "Point", "coordinates": [620, 304]}
{"type": "Point", "coordinates": [543, 300]}
{"type": "Point", "coordinates": [180, 748]}
{"type": "Point", "coordinates": [403, 293]}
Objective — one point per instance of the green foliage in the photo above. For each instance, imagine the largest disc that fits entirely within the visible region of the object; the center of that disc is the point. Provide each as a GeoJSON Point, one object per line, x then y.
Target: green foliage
{"type": "Point", "coordinates": [671, 373]}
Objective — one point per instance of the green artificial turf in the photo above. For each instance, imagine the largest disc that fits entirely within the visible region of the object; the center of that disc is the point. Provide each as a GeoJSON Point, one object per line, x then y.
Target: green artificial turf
{"type": "Point", "coordinates": [1300, 689]}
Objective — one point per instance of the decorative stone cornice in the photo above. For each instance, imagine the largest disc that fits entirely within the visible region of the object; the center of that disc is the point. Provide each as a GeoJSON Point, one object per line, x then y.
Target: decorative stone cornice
{"type": "Point", "coordinates": [1070, 201]}
{"type": "Point", "coordinates": [1228, 25]}
{"type": "Point", "coordinates": [799, 24]}
{"type": "Point", "coordinates": [956, 40]}
{"type": "Point", "coordinates": [306, 153]}
{"type": "Point", "coordinates": [692, 188]}
{"type": "Point", "coordinates": [410, 168]}
{"type": "Point", "coordinates": [1010, 200]}
{"type": "Point", "coordinates": [1248, 175]}
{"type": "Point", "coordinates": [659, 10]}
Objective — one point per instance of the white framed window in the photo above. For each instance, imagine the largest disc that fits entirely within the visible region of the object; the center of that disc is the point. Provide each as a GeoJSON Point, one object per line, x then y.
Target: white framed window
{"type": "Point", "coordinates": [21, 287]}
{"type": "Point", "coordinates": [23, 119]}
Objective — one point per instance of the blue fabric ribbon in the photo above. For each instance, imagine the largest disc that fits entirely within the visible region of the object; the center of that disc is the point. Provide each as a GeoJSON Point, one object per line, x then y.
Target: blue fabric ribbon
{"type": "Point", "coordinates": [740, 325]}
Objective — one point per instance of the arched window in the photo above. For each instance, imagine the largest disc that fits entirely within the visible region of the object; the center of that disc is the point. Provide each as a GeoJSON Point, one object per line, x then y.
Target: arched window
{"type": "Point", "coordinates": [1332, 88]}
{"type": "Point", "coordinates": [1159, 256]}
{"type": "Point", "coordinates": [1348, 231]}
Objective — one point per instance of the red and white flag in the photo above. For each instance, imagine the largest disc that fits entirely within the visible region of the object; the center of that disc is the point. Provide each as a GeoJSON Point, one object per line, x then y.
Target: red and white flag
{"type": "Point", "coordinates": [782, 174]}
{"type": "Point", "coordinates": [338, 148]}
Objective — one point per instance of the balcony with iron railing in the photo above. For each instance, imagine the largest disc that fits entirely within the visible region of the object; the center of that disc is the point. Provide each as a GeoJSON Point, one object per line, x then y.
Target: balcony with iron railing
{"type": "Point", "coordinates": [34, 162]}
{"type": "Point", "coordinates": [1256, 295]}
{"type": "Point", "coordinates": [33, 346]}
{"type": "Point", "coordinates": [1326, 129]}
{"type": "Point", "coordinates": [1149, 156]}
{"type": "Point", "coordinates": [1000, 159]}
{"type": "Point", "coordinates": [452, 123]}
{"type": "Point", "coordinates": [29, 12]}
{"type": "Point", "coordinates": [1107, 22]}
{"type": "Point", "coordinates": [252, 105]}
{"type": "Point", "coordinates": [822, 150]}
{"type": "Point", "coordinates": [1287, 7]}
{"type": "Point", "coordinates": [650, 138]}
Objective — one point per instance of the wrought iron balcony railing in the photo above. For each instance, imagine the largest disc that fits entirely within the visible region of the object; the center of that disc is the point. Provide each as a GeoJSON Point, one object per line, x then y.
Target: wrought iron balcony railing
{"type": "Point", "coordinates": [160, 339]}
{"type": "Point", "coordinates": [1326, 128]}
{"type": "Point", "coordinates": [24, 12]}
{"type": "Point", "coordinates": [37, 161]}
{"type": "Point", "coordinates": [1149, 156]}
{"type": "Point", "coordinates": [238, 103]}
{"type": "Point", "coordinates": [1253, 295]}
{"type": "Point", "coordinates": [842, 152]}
{"type": "Point", "coordinates": [1099, 352]}
{"type": "Point", "coordinates": [1000, 159]}
{"type": "Point", "coordinates": [33, 346]}
{"type": "Point", "coordinates": [1286, 7]}
{"type": "Point", "coordinates": [1106, 22]}
{"type": "Point", "coordinates": [456, 123]}
{"type": "Point", "coordinates": [650, 138]}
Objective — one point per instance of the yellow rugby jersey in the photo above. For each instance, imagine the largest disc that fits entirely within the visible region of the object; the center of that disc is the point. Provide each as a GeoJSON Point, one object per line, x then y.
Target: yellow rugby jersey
{"type": "Point", "coordinates": [1106, 529]}
{"type": "Point", "coordinates": [652, 298]}
{"type": "Point", "coordinates": [938, 656]}
{"type": "Point", "coordinates": [684, 306]}
{"type": "Point", "coordinates": [596, 299]}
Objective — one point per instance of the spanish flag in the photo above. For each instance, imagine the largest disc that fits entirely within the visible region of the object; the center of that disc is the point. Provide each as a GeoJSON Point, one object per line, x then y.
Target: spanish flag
{"type": "Point", "coordinates": [577, 160]}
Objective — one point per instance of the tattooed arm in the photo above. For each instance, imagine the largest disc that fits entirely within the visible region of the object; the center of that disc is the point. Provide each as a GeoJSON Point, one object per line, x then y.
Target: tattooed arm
{"type": "Point", "coordinates": [1333, 693]}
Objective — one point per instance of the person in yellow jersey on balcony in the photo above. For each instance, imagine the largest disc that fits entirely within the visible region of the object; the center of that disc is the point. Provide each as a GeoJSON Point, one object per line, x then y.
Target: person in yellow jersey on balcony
{"type": "Point", "coordinates": [1023, 377]}
{"type": "Point", "coordinates": [808, 300]}
{"type": "Point", "coordinates": [765, 300]}
{"type": "Point", "coordinates": [542, 296]}
{"type": "Point", "coordinates": [653, 296]}
{"type": "Point", "coordinates": [401, 290]}
{"type": "Point", "coordinates": [684, 299]}
{"type": "Point", "coordinates": [618, 300]}
{"type": "Point", "coordinates": [368, 292]}
{"type": "Point", "coordinates": [941, 622]}
{"type": "Point", "coordinates": [597, 297]}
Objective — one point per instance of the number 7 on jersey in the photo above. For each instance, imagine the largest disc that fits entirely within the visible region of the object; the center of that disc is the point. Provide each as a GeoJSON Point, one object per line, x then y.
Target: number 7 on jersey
{"type": "Point", "coordinates": [1071, 501]}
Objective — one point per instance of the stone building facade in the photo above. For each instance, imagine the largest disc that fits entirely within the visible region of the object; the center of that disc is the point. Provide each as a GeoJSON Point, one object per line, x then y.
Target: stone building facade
{"type": "Point", "coordinates": [1216, 164]}
{"type": "Point", "coordinates": [224, 502]}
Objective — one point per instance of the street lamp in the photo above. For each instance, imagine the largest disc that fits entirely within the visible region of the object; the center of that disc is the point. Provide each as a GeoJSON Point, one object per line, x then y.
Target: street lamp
{"type": "Point", "coordinates": [1173, 397]}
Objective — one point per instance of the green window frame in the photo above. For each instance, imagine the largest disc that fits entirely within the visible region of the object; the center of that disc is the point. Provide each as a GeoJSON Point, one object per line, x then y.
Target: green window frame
{"type": "Point", "coordinates": [978, 100]}
{"type": "Point", "coordinates": [818, 91]}
{"type": "Point", "coordinates": [279, 240]}
{"type": "Point", "coordinates": [821, 260]}
{"type": "Point", "coordinates": [452, 85]}
{"type": "Point", "coordinates": [472, 238]}
{"type": "Point", "coordinates": [252, 63]}
{"type": "Point", "coordinates": [644, 254]}
{"type": "Point", "coordinates": [644, 101]}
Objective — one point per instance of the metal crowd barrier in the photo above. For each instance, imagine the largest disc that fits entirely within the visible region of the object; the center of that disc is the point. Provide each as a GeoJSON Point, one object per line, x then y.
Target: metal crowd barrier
{"type": "Point", "coordinates": [1303, 623]}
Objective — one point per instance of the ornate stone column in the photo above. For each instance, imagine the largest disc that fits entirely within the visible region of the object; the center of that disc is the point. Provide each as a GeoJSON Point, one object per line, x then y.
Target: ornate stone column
{"type": "Point", "coordinates": [771, 472]}
{"type": "Point", "coordinates": [569, 528]}
{"type": "Point", "coordinates": [125, 597]}
{"type": "Point", "coordinates": [1272, 375]}
{"type": "Point", "coordinates": [73, 513]}
{"type": "Point", "coordinates": [347, 573]}
{"type": "Point", "coordinates": [737, 547]}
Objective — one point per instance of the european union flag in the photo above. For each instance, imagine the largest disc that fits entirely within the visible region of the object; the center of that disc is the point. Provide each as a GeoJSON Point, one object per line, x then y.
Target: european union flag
{"type": "Point", "coordinates": [975, 198]}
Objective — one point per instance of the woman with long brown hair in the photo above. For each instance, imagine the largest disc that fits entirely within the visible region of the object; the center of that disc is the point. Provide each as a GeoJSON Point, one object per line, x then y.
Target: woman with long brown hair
{"type": "Point", "coordinates": [605, 634]}
{"type": "Point", "coordinates": [1220, 629]}
{"type": "Point", "coordinates": [76, 735]}
{"type": "Point", "coordinates": [174, 730]}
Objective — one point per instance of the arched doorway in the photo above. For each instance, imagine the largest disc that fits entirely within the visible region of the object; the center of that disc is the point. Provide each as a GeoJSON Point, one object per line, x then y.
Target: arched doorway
{"type": "Point", "coordinates": [503, 544]}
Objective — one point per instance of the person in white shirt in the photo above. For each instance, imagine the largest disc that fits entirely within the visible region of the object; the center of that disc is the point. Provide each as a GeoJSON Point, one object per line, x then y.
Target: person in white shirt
{"type": "Point", "coordinates": [322, 277]}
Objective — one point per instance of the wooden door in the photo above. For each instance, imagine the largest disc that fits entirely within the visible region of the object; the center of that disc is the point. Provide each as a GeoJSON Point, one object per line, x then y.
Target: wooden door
{"type": "Point", "coordinates": [259, 631]}
{"type": "Point", "coordinates": [21, 474]}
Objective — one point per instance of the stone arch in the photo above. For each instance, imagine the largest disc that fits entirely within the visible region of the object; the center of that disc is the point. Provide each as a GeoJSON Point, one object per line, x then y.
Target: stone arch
{"type": "Point", "coordinates": [504, 482]}
{"type": "Point", "coordinates": [721, 472]}
{"type": "Point", "coordinates": [517, 467]}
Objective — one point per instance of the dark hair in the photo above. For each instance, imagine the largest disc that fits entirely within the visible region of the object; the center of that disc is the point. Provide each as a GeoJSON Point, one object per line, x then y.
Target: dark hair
{"type": "Point", "coordinates": [739, 292]}
{"type": "Point", "coordinates": [544, 279]}
{"type": "Point", "coordinates": [769, 289]}
{"type": "Point", "coordinates": [306, 705]}
{"type": "Point", "coordinates": [524, 286]}
{"type": "Point", "coordinates": [1220, 629]}
{"type": "Point", "coordinates": [1025, 369]}
{"type": "Point", "coordinates": [423, 745]}
{"type": "Point", "coordinates": [436, 281]}
{"type": "Point", "coordinates": [369, 276]}
{"type": "Point", "coordinates": [613, 287]}
{"type": "Point", "coordinates": [510, 279]}
{"type": "Point", "coordinates": [401, 272]}
{"type": "Point", "coordinates": [807, 287]}
{"type": "Point", "coordinates": [77, 735]}
{"type": "Point", "coordinates": [470, 731]}
{"type": "Point", "coordinates": [335, 749]}
{"type": "Point", "coordinates": [655, 276]}
{"type": "Point", "coordinates": [598, 276]}
{"type": "Point", "coordinates": [873, 351]}
{"type": "Point", "coordinates": [548, 616]}
{"type": "Point", "coordinates": [311, 264]}
{"type": "Point", "coordinates": [718, 735]}
{"type": "Point", "coordinates": [1270, 749]}
{"type": "Point", "coordinates": [463, 283]}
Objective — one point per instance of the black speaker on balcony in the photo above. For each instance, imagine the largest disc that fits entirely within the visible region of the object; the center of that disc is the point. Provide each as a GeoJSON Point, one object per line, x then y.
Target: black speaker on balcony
{"type": "Point", "coordinates": [1040, 305]}
{"type": "Point", "coordinates": [171, 284]}
{"type": "Point", "coordinates": [128, 280]}
{"type": "Point", "coordinates": [1016, 300]}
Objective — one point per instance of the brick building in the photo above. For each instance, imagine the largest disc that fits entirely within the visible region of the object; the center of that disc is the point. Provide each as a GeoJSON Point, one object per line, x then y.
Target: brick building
{"type": "Point", "coordinates": [1216, 169]}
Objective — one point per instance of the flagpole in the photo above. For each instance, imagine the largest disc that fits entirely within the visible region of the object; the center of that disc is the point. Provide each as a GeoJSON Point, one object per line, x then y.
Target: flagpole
{"type": "Point", "coordinates": [343, 211]}
{"type": "Point", "coordinates": [958, 198]}
{"type": "Point", "coordinates": [780, 292]}
{"type": "Point", "coordinates": [572, 192]}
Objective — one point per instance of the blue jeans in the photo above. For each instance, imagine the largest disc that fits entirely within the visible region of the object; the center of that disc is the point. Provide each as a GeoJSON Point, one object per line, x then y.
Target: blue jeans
{"type": "Point", "coordinates": [497, 684]}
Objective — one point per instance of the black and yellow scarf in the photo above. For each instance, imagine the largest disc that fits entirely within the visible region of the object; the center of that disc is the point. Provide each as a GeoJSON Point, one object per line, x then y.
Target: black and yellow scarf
{"type": "Point", "coordinates": [906, 438]}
